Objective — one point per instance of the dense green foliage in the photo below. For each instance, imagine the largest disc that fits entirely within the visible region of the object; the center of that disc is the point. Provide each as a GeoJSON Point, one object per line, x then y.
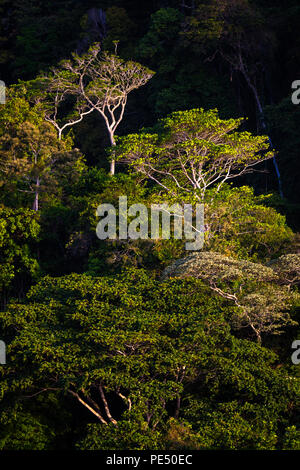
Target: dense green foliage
{"type": "Point", "coordinates": [135, 353]}
{"type": "Point", "coordinates": [139, 344]}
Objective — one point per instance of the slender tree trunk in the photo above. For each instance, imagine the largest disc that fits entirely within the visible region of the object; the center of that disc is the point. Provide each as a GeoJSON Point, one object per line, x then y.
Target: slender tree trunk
{"type": "Point", "coordinates": [112, 167]}
{"type": "Point", "coordinates": [113, 162]}
{"type": "Point", "coordinates": [96, 413]}
{"type": "Point", "coordinates": [36, 196]}
{"type": "Point", "coordinates": [178, 404]}
{"type": "Point", "coordinates": [106, 407]}
{"type": "Point", "coordinates": [264, 126]}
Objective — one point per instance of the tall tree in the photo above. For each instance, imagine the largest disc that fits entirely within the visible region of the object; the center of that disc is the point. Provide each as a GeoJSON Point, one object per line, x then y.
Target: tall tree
{"type": "Point", "coordinates": [97, 81]}
{"type": "Point", "coordinates": [32, 159]}
{"type": "Point", "coordinates": [194, 150]}
{"type": "Point", "coordinates": [236, 31]}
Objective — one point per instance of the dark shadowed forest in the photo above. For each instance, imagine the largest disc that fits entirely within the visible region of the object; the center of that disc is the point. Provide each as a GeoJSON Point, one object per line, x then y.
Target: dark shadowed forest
{"type": "Point", "coordinates": [113, 341]}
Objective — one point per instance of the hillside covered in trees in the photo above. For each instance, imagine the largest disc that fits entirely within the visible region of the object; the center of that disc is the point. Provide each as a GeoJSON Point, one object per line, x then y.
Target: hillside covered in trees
{"type": "Point", "coordinates": [131, 342]}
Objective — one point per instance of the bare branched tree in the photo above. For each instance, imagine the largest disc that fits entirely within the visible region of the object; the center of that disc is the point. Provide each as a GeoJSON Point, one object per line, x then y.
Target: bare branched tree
{"type": "Point", "coordinates": [97, 82]}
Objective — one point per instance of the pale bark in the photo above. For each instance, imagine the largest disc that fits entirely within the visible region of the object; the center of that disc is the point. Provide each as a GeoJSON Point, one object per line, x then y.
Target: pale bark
{"type": "Point", "coordinates": [106, 407]}
{"type": "Point", "coordinates": [36, 195]}
{"type": "Point", "coordinates": [96, 413]}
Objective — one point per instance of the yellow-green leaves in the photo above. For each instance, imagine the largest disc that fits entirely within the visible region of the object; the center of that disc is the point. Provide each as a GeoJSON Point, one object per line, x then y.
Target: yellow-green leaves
{"type": "Point", "coordinates": [194, 150]}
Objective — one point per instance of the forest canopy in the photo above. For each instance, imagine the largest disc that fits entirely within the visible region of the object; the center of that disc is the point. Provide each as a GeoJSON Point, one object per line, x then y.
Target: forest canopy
{"type": "Point", "coordinates": [132, 343]}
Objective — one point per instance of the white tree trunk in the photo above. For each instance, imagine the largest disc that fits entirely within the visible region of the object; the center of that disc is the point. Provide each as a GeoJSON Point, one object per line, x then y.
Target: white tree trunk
{"type": "Point", "coordinates": [36, 195]}
{"type": "Point", "coordinates": [113, 162]}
